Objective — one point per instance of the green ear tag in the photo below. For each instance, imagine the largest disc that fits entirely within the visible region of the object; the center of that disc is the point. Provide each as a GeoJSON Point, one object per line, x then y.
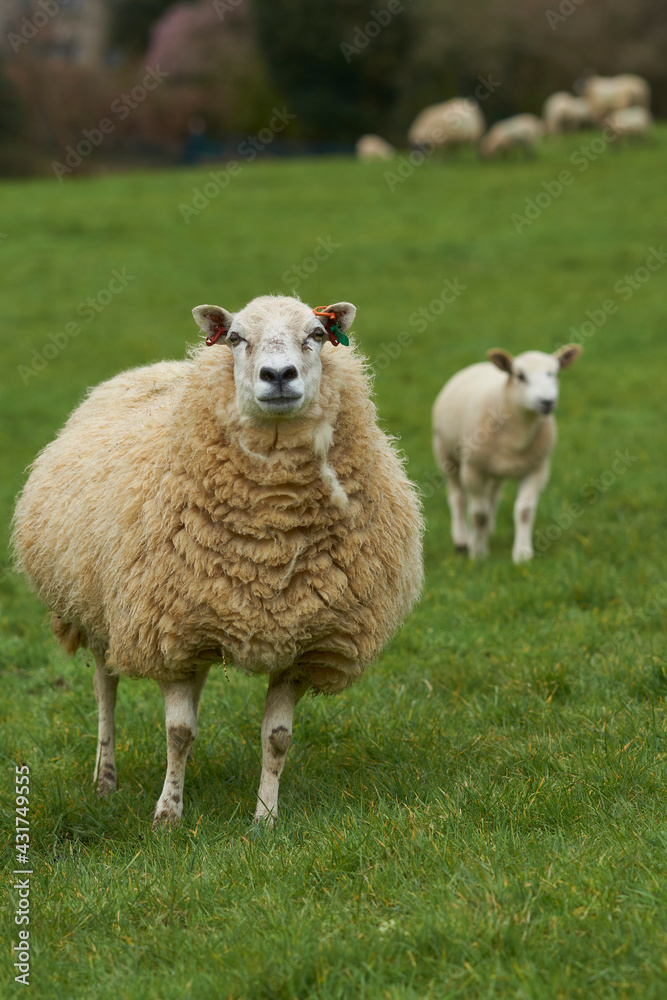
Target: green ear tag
{"type": "Point", "coordinates": [341, 337]}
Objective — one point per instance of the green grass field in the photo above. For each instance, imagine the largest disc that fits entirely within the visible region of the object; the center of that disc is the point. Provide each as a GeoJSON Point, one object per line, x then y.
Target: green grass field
{"type": "Point", "coordinates": [484, 814]}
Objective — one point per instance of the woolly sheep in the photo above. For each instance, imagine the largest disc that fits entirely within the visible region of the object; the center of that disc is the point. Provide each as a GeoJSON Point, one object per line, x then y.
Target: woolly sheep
{"type": "Point", "coordinates": [611, 93]}
{"type": "Point", "coordinates": [522, 131]}
{"type": "Point", "coordinates": [458, 122]}
{"type": "Point", "coordinates": [562, 112]}
{"type": "Point", "coordinates": [633, 121]}
{"type": "Point", "coordinates": [373, 147]}
{"type": "Point", "coordinates": [239, 506]}
{"type": "Point", "coordinates": [494, 421]}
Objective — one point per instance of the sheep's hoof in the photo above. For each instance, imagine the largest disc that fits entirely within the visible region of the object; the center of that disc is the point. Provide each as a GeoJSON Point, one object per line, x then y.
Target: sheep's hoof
{"type": "Point", "coordinates": [264, 820]}
{"type": "Point", "coordinates": [462, 550]}
{"type": "Point", "coordinates": [165, 816]}
{"type": "Point", "coordinates": [522, 556]}
{"type": "Point", "coordinates": [107, 781]}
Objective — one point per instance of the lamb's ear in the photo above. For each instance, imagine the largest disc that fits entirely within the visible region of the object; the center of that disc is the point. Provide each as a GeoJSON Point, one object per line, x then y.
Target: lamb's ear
{"type": "Point", "coordinates": [214, 321]}
{"type": "Point", "coordinates": [501, 359]}
{"type": "Point", "coordinates": [567, 355]}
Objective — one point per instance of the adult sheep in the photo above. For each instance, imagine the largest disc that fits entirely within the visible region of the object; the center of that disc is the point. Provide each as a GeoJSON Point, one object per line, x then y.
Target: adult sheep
{"type": "Point", "coordinates": [563, 112]}
{"type": "Point", "coordinates": [494, 421]}
{"type": "Point", "coordinates": [239, 506]}
{"type": "Point", "coordinates": [630, 122]}
{"type": "Point", "coordinates": [518, 132]}
{"type": "Point", "coordinates": [611, 93]}
{"type": "Point", "coordinates": [458, 122]}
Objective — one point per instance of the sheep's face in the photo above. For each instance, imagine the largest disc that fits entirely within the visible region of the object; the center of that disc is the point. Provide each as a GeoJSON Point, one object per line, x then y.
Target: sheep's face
{"type": "Point", "coordinates": [534, 376]}
{"type": "Point", "coordinates": [276, 342]}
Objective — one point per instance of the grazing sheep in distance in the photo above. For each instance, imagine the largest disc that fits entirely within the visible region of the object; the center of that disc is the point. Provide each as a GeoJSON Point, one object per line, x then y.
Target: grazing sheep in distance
{"type": "Point", "coordinates": [519, 131]}
{"type": "Point", "coordinates": [563, 112]}
{"type": "Point", "coordinates": [458, 122]}
{"type": "Point", "coordinates": [373, 147]}
{"type": "Point", "coordinates": [494, 421]}
{"type": "Point", "coordinates": [611, 93]}
{"type": "Point", "coordinates": [628, 122]}
{"type": "Point", "coordinates": [240, 506]}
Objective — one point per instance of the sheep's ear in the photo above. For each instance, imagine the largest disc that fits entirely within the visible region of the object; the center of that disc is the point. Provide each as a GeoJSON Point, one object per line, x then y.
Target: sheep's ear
{"type": "Point", "coordinates": [501, 359]}
{"type": "Point", "coordinates": [214, 321]}
{"type": "Point", "coordinates": [567, 355]}
{"type": "Point", "coordinates": [345, 313]}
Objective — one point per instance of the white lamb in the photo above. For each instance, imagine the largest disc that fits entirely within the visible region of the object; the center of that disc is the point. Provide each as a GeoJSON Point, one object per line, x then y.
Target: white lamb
{"type": "Point", "coordinates": [241, 506]}
{"type": "Point", "coordinates": [494, 421]}
{"type": "Point", "coordinates": [563, 112]}
{"type": "Point", "coordinates": [517, 132]}
{"type": "Point", "coordinates": [373, 147]}
{"type": "Point", "coordinates": [458, 122]}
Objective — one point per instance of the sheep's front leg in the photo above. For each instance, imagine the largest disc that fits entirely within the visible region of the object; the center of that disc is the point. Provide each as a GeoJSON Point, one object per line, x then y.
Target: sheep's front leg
{"type": "Point", "coordinates": [181, 703]}
{"type": "Point", "coordinates": [481, 492]}
{"type": "Point", "coordinates": [106, 687]}
{"type": "Point", "coordinates": [281, 698]}
{"type": "Point", "coordinates": [524, 513]}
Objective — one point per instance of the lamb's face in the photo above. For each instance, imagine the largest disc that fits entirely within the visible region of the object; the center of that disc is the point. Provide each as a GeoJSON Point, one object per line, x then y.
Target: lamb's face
{"type": "Point", "coordinates": [276, 342]}
{"type": "Point", "coordinates": [534, 376]}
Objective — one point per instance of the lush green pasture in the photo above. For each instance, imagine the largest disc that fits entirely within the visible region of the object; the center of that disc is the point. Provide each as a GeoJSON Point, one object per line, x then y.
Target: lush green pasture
{"type": "Point", "coordinates": [484, 815]}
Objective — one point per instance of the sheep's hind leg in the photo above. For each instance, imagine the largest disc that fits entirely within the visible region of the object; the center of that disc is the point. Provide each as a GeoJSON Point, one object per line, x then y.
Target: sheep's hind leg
{"type": "Point", "coordinates": [181, 701]}
{"type": "Point", "coordinates": [480, 510]}
{"type": "Point", "coordinates": [494, 497]}
{"type": "Point", "coordinates": [457, 507]}
{"type": "Point", "coordinates": [106, 687]}
{"type": "Point", "coordinates": [281, 698]}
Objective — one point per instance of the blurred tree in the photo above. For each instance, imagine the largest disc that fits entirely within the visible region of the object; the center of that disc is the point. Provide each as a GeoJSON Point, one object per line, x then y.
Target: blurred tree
{"type": "Point", "coordinates": [12, 116]}
{"type": "Point", "coordinates": [339, 64]}
{"type": "Point", "coordinates": [131, 22]}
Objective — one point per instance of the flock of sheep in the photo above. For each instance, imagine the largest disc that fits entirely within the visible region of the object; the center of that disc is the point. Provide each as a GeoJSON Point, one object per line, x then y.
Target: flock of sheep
{"type": "Point", "coordinates": [621, 103]}
{"type": "Point", "coordinates": [243, 505]}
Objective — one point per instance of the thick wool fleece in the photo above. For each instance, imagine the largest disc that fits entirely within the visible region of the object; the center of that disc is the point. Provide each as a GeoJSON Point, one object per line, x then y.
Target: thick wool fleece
{"type": "Point", "coordinates": [161, 528]}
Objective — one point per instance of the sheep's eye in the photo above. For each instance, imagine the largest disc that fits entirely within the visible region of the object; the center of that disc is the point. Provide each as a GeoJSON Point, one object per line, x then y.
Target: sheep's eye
{"type": "Point", "coordinates": [233, 338]}
{"type": "Point", "coordinates": [318, 333]}
{"type": "Point", "coordinates": [521, 377]}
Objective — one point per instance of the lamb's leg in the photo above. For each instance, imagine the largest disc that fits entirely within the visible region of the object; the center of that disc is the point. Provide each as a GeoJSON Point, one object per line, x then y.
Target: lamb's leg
{"type": "Point", "coordinates": [106, 687]}
{"type": "Point", "coordinates": [494, 497]}
{"type": "Point", "coordinates": [457, 507]}
{"type": "Point", "coordinates": [524, 513]}
{"type": "Point", "coordinates": [281, 698]}
{"type": "Point", "coordinates": [181, 700]}
{"type": "Point", "coordinates": [478, 488]}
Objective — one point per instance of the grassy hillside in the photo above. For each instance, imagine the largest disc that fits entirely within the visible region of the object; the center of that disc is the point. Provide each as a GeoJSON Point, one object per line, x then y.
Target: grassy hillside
{"type": "Point", "coordinates": [484, 814]}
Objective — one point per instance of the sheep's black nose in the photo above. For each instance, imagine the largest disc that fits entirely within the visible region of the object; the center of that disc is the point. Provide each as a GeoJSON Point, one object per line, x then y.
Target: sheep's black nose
{"type": "Point", "coordinates": [275, 375]}
{"type": "Point", "coordinates": [546, 405]}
